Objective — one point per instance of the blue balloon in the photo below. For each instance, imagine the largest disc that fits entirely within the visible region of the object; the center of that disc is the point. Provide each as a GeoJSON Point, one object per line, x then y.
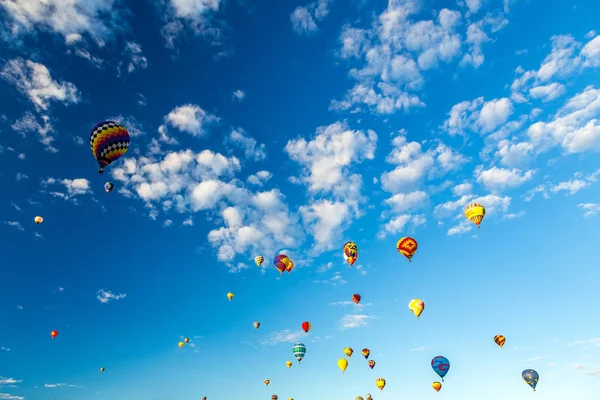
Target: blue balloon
{"type": "Point", "coordinates": [108, 187]}
{"type": "Point", "coordinates": [440, 365]}
{"type": "Point", "coordinates": [531, 377]}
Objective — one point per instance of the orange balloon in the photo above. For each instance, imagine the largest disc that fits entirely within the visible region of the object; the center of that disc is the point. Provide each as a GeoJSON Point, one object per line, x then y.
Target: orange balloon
{"type": "Point", "coordinates": [437, 386]}
{"type": "Point", "coordinates": [407, 246]}
{"type": "Point", "coordinates": [356, 298]}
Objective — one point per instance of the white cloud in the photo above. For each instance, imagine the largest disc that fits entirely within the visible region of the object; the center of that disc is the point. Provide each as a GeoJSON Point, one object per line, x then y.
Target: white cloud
{"type": "Point", "coordinates": [590, 209]}
{"type": "Point", "coordinates": [462, 189]}
{"type": "Point", "coordinates": [351, 321]}
{"type": "Point", "coordinates": [74, 187]}
{"type": "Point", "coordinates": [106, 296]}
{"type": "Point", "coordinates": [260, 178]}
{"type": "Point", "coordinates": [8, 381]}
{"type": "Point", "coordinates": [252, 150]}
{"type": "Point", "coordinates": [325, 267]}
{"type": "Point", "coordinates": [239, 95]}
{"type": "Point", "coordinates": [285, 336]}
{"type": "Point", "coordinates": [191, 119]}
{"type": "Point", "coordinates": [501, 178]}
{"type": "Point", "coordinates": [196, 15]}
{"type": "Point", "coordinates": [572, 186]}
{"type": "Point", "coordinates": [135, 59]}
{"type": "Point", "coordinates": [418, 349]}
{"type": "Point", "coordinates": [514, 216]}
{"type": "Point", "coordinates": [398, 223]}
{"type": "Point", "coordinates": [547, 92]}
{"type": "Point", "coordinates": [6, 396]}
{"type": "Point", "coordinates": [304, 18]}
{"type": "Point", "coordinates": [15, 224]}
{"type": "Point", "coordinates": [28, 123]}
{"type": "Point", "coordinates": [478, 116]}
{"type": "Point", "coordinates": [33, 80]}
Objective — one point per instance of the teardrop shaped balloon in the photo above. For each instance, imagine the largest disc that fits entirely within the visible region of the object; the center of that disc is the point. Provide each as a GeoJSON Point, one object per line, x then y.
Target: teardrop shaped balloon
{"type": "Point", "coordinates": [499, 340]}
{"type": "Point", "coordinates": [371, 364]}
{"type": "Point", "coordinates": [181, 344]}
{"type": "Point", "coordinates": [102, 369]}
{"type": "Point", "coordinates": [416, 306]}
{"type": "Point", "coordinates": [283, 263]}
{"type": "Point", "coordinates": [288, 364]}
{"type": "Point", "coordinates": [342, 364]}
{"type": "Point", "coordinates": [380, 382]}
{"type": "Point", "coordinates": [38, 220]}
{"type": "Point", "coordinates": [306, 326]}
{"type": "Point", "coordinates": [475, 213]}
{"type": "Point", "coordinates": [259, 260]}
{"type": "Point", "coordinates": [54, 334]}
{"type": "Point", "coordinates": [356, 298]}
{"type": "Point", "coordinates": [256, 325]}
{"type": "Point", "coordinates": [436, 386]}
{"type": "Point", "coordinates": [365, 353]}
{"type": "Point", "coordinates": [299, 351]}
{"type": "Point", "coordinates": [109, 141]}
{"type": "Point", "coordinates": [108, 187]}
{"type": "Point", "coordinates": [187, 340]}
{"type": "Point", "coordinates": [350, 252]}
{"type": "Point", "coordinates": [407, 246]}
{"type": "Point", "coordinates": [348, 351]}
{"type": "Point", "coordinates": [441, 366]}
{"type": "Point", "coordinates": [531, 377]}
{"type": "Point", "coordinates": [230, 296]}
{"type": "Point", "coordinates": [267, 381]}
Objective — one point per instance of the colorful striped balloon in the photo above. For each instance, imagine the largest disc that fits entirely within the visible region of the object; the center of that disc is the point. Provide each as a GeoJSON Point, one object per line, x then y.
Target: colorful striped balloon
{"type": "Point", "coordinates": [299, 351]}
{"type": "Point", "coordinates": [109, 141]}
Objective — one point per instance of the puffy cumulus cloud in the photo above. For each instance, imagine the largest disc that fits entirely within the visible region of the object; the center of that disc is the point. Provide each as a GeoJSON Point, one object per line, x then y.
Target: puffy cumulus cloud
{"type": "Point", "coordinates": [398, 223]}
{"type": "Point", "coordinates": [98, 19]}
{"type": "Point", "coordinates": [498, 179]}
{"type": "Point", "coordinates": [45, 132]}
{"type": "Point", "coordinates": [188, 118]}
{"type": "Point", "coordinates": [304, 18]}
{"type": "Point", "coordinates": [391, 56]}
{"type": "Point", "coordinates": [186, 181]}
{"type": "Point", "coordinates": [34, 81]}
{"type": "Point", "coordinates": [569, 187]}
{"type": "Point", "coordinates": [327, 162]}
{"type": "Point", "coordinates": [71, 188]}
{"type": "Point", "coordinates": [478, 116]}
{"type": "Point", "coordinates": [574, 128]}
{"type": "Point", "coordinates": [252, 150]}
{"type": "Point", "coordinates": [567, 57]}
{"type": "Point", "coordinates": [260, 178]}
{"type": "Point", "coordinates": [199, 16]}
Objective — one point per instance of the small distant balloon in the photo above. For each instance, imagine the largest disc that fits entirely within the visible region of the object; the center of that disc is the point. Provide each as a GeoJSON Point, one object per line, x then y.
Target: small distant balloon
{"type": "Point", "coordinates": [436, 386]}
{"type": "Point", "coordinates": [181, 344]}
{"type": "Point", "coordinates": [380, 383]}
{"type": "Point", "coordinates": [531, 377]}
{"type": "Point", "coordinates": [342, 364]}
{"type": "Point", "coordinates": [267, 381]}
{"type": "Point", "coordinates": [350, 253]}
{"type": "Point", "coordinates": [274, 397]}
{"type": "Point", "coordinates": [102, 369]}
{"type": "Point", "coordinates": [371, 364]}
{"type": "Point", "coordinates": [499, 340]}
{"type": "Point", "coordinates": [288, 364]}
{"type": "Point", "coordinates": [38, 220]}
{"type": "Point", "coordinates": [365, 353]}
{"type": "Point", "coordinates": [407, 246]}
{"type": "Point", "coordinates": [256, 325]}
{"type": "Point", "coordinates": [259, 260]}
{"type": "Point", "coordinates": [475, 213]}
{"type": "Point", "coordinates": [283, 263]}
{"type": "Point", "coordinates": [306, 326]}
{"type": "Point", "coordinates": [108, 187]}
{"type": "Point", "coordinates": [230, 296]}
{"type": "Point", "coordinates": [54, 334]}
{"type": "Point", "coordinates": [299, 351]}
{"type": "Point", "coordinates": [187, 340]}
{"type": "Point", "coordinates": [441, 366]}
{"type": "Point", "coordinates": [356, 298]}
{"type": "Point", "coordinates": [109, 141]}
{"type": "Point", "coordinates": [348, 351]}
{"type": "Point", "coordinates": [416, 306]}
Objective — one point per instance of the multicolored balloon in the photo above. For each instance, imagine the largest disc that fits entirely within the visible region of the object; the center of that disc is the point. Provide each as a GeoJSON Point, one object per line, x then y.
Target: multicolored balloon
{"type": "Point", "coordinates": [499, 340]}
{"type": "Point", "coordinates": [54, 334]}
{"type": "Point", "coordinates": [299, 351]}
{"type": "Point", "coordinates": [108, 187]}
{"type": "Point", "coordinates": [356, 298]}
{"type": "Point", "coordinates": [436, 386]}
{"type": "Point", "coordinates": [365, 353]}
{"type": "Point", "coordinates": [350, 252]}
{"type": "Point", "coordinates": [288, 364]}
{"type": "Point", "coordinates": [475, 213]}
{"type": "Point", "coordinates": [259, 260]}
{"type": "Point", "coordinates": [283, 263]}
{"type": "Point", "coordinates": [267, 381]}
{"type": "Point", "coordinates": [416, 306]}
{"type": "Point", "coordinates": [371, 364]}
{"type": "Point", "coordinates": [380, 383]}
{"type": "Point", "coordinates": [38, 220]}
{"type": "Point", "coordinates": [230, 296]}
{"type": "Point", "coordinates": [256, 325]}
{"type": "Point", "coordinates": [109, 141]}
{"type": "Point", "coordinates": [187, 340]}
{"type": "Point", "coordinates": [274, 397]}
{"type": "Point", "coordinates": [348, 351]}
{"type": "Point", "coordinates": [306, 326]}
{"type": "Point", "coordinates": [342, 364]}
{"type": "Point", "coordinates": [102, 369]}
{"type": "Point", "coordinates": [407, 246]}
{"type": "Point", "coordinates": [440, 365]}
{"type": "Point", "coordinates": [531, 377]}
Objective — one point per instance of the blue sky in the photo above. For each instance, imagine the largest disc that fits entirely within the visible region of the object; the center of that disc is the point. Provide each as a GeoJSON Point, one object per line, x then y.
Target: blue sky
{"type": "Point", "coordinates": [293, 127]}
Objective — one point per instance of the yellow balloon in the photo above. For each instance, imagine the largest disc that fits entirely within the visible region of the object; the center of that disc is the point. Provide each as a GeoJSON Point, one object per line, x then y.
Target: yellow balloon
{"type": "Point", "coordinates": [380, 382]}
{"type": "Point", "coordinates": [181, 344]}
{"type": "Point", "coordinates": [475, 213]}
{"type": "Point", "coordinates": [343, 364]}
{"type": "Point", "coordinates": [230, 296]}
{"type": "Point", "coordinates": [38, 220]}
{"type": "Point", "coordinates": [267, 382]}
{"type": "Point", "coordinates": [436, 386]}
{"type": "Point", "coordinates": [416, 306]}
{"type": "Point", "coordinates": [348, 351]}
{"type": "Point", "coordinates": [288, 364]}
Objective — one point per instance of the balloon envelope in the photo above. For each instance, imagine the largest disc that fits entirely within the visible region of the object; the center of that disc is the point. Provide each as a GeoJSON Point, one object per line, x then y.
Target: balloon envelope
{"type": "Point", "coordinates": [342, 364]}
{"type": "Point", "coordinates": [109, 141]}
{"type": "Point", "coordinates": [440, 365]}
{"type": "Point", "coordinates": [407, 246]}
{"type": "Point", "coordinates": [531, 377]}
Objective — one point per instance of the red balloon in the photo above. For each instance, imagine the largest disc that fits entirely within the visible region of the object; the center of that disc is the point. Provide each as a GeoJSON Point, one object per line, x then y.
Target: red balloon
{"type": "Point", "coordinates": [306, 326]}
{"type": "Point", "coordinates": [54, 334]}
{"type": "Point", "coordinates": [356, 298]}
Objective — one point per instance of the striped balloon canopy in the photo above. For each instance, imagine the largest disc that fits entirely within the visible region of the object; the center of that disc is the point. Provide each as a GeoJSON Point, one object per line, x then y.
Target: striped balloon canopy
{"type": "Point", "coordinates": [109, 141]}
{"type": "Point", "coordinates": [299, 351]}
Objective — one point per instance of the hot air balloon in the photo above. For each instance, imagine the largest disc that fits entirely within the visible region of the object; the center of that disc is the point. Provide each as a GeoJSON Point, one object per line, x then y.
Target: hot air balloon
{"type": "Point", "coordinates": [306, 326]}
{"type": "Point", "coordinates": [440, 365]}
{"type": "Point", "coordinates": [230, 296]}
{"type": "Point", "coordinates": [531, 377]}
{"type": "Point", "coordinates": [348, 351]}
{"type": "Point", "coordinates": [356, 298]}
{"type": "Point", "coordinates": [283, 263]}
{"type": "Point", "coordinates": [288, 364]}
{"type": "Point", "coordinates": [109, 141]}
{"type": "Point", "coordinates": [108, 187]}
{"type": "Point", "coordinates": [369, 396]}
{"type": "Point", "coordinates": [256, 325]}
{"type": "Point", "coordinates": [274, 397]}
{"type": "Point", "coordinates": [436, 386]}
{"type": "Point", "coordinates": [359, 398]}
{"type": "Point", "coordinates": [380, 382]}
{"type": "Point", "coordinates": [371, 364]}
{"type": "Point", "coordinates": [204, 398]}
{"type": "Point", "coordinates": [407, 246]}
{"type": "Point", "coordinates": [187, 340]}
{"type": "Point", "coordinates": [475, 213]}
{"type": "Point", "coordinates": [499, 340]}
{"type": "Point", "coordinates": [181, 344]}
{"type": "Point", "coordinates": [267, 381]}
{"type": "Point", "coordinates": [350, 252]}
{"type": "Point", "coordinates": [365, 353]}
{"type": "Point", "coordinates": [299, 351]}
{"type": "Point", "coordinates": [38, 220]}
{"type": "Point", "coordinates": [102, 369]}
{"type": "Point", "coordinates": [342, 364]}
{"type": "Point", "coordinates": [416, 306]}
{"type": "Point", "coordinates": [259, 260]}
{"type": "Point", "coordinates": [54, 334]}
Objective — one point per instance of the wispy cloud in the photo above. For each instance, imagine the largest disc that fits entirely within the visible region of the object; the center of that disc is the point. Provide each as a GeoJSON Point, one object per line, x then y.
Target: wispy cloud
{"type": "Point", "coordinates": [594, 342]}
{"type": "Point", "coordinates": [351, 321]}
{"type": "Point", "coordinates": [8, 381]}
{"type": "Point", "coordinates": [285, 336]}
{"type": "Point", "coordinates": [418, 349]}
{"type": "Point", "coordinates": [106, 296]}
{"type": "Point", "coordinates": [15, 224]}
{"type": "Point", "coordinates": [6, 396]}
